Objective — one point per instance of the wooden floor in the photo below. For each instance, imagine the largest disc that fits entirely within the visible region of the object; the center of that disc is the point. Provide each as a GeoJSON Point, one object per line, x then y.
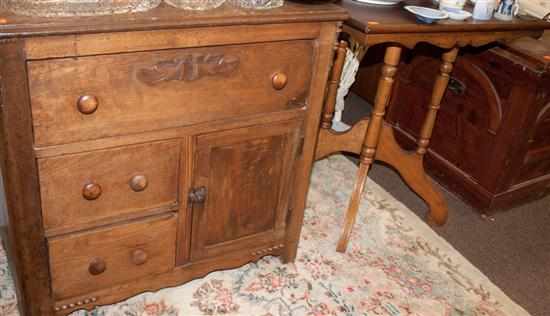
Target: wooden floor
{"type": "Point", "coordinates": [513, 250]}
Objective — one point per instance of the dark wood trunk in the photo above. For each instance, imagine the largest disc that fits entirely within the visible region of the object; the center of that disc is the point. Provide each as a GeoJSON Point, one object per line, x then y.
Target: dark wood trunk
{"type": "Point", "coordinates": [491, 142]}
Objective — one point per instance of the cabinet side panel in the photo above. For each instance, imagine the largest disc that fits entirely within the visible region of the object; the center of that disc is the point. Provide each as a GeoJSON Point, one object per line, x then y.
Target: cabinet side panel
{"type": "Point", "coordinates": [322, 57]}
{"type": "Point", "coordinates": [26, 243]}
{"type": "Point", "coordinates": [3, 207]}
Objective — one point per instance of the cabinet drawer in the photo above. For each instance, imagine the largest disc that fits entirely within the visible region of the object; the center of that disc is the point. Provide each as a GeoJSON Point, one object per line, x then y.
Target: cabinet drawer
{"type": "Point", "coordinates": [75, 99]}
{"type": "Point", "coordinates": [83, 188]}
{"type": "Point", "coordinates": [89, 261]}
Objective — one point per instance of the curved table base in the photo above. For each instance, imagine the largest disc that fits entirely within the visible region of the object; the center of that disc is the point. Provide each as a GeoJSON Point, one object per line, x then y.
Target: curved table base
{"type": "Point", "coordinates": [408, 164]}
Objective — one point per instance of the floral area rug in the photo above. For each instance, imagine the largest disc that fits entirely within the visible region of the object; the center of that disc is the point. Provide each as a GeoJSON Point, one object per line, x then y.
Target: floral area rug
{"type": "Point", "coordinates": [395, 266]}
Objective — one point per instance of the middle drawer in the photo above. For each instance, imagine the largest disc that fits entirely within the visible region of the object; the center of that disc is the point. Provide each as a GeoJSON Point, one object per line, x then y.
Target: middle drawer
{"type": "Point", "coordinates": [80, 189]}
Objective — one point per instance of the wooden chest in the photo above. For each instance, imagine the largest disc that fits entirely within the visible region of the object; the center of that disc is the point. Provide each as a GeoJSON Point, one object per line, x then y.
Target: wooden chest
{"type": "Point", "coordinates": [491, 143]}
{"type": "Point", "coordinates": [147, 150]}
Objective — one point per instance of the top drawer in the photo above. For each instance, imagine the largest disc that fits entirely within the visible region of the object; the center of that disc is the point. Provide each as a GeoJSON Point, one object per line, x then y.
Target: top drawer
{"type": "Point", "coordinates": [76, 99]}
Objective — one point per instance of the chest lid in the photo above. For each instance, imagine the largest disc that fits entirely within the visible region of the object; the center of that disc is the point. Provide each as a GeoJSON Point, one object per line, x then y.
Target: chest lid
{"type": "Point", "coordinates": [532, 52]}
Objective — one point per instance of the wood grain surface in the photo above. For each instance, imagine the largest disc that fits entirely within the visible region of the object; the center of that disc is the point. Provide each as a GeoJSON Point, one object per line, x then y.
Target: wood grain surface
{"type": "Point", "coordinates": [246, 173]}
{"type": "Point", "coordinates": [140, 92]}
{"type": "Point", "coordinates": [142, 151]}
{"type": "Point", "coordinates": [394, 19]}
{"type": "Point", "coordinates": [64, 178]}
{"type": "Point", "coordinates": [127, 252]}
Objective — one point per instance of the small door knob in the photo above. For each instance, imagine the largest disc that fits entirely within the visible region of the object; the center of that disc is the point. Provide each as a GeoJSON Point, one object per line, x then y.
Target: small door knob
{"type": "Point", "coordinates": [97, 266]}
{"type": "Point", "coordinates": [138, 183]}
{"type": "Point", "coordinates": [198, 195]}
{"type": "Point", "coordinates": [87, 104]}
{"type": "Point", "coordinates": [279, 81]}
{"type": "Point", "coordinates": [139, 257]}
{"type": "Point", "coordinates": [91, 191]}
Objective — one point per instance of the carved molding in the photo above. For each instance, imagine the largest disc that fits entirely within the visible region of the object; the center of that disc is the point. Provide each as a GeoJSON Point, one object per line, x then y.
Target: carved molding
{"type": "Point", "coordinates": [543, 114]}
{"type": "Point", "coordinates": [494, 101]}
{"type": "Point", "coordinates": [493, 98]}
{"type": "Point", "coordinates": [445, 39]}
{"type": "Point", "coordinates": [190, 67]}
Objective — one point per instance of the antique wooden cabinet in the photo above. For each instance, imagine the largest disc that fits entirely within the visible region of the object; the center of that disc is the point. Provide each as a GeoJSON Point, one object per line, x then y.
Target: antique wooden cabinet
{"type": "Point", "coordinates": [142, 151]}
{"type": "Point", "coordinates": [491, 142]}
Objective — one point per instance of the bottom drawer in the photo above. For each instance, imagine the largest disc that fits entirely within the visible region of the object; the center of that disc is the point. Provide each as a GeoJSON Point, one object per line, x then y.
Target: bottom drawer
{"type": "Point", "coordinates": [88, 261]}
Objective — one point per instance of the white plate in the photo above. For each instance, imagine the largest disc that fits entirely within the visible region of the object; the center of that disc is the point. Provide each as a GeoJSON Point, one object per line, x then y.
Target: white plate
{"type": "Point", "coordinates": [459, 15]}
{"type": "Point", "coordinates": [426, 14]}
{"type": "Point", "coordinates": [380, 2]}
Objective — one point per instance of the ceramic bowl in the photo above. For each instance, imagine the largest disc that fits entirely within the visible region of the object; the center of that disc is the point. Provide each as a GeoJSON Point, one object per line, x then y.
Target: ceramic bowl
{"type": "Point", "coordinates": [380, 2]}
{"type": "Point", "coordinates": [426, 15]}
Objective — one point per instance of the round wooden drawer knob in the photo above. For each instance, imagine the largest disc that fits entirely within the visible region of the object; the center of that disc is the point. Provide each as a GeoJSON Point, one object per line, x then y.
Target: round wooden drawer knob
{"type": "Point", "coordinates": [91, 191]}
{"type": "Point", "coordinates": [97, 266]}
{"type": "Point", "coordinates": [139, 257]}
{"type": "Point", "coordinates": [279, 81]}
{"type": "Point", "coordinates": [87, 104]}
{"type": "Point", "coordinates": [138, 183]}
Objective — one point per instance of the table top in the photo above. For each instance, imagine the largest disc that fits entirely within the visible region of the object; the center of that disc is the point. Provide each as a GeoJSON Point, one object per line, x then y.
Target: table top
{"type": "Point", "coordinates": [374, 19]}
{"type": "Point", "coordinates": [164, 17]}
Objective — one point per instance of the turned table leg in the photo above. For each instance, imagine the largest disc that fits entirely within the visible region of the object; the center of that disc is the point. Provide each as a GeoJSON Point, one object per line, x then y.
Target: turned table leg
{"type": "Point", "coordinates": [440, 86]}
{"type": "Point", "coordinates": [439, 216]}
{"type": "Point", "coordinates": [383, 94]}
{"type": "Point", "coordinates": [335, 76]}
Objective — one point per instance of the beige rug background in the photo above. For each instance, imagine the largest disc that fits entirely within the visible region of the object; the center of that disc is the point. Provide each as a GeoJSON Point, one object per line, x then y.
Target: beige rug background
{"type": "Point", "coordinates": [396, 265]}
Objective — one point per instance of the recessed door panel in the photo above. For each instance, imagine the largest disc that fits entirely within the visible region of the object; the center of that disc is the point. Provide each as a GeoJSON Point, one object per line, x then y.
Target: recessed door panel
{"type": "Point", "coordinates": [241, 187]}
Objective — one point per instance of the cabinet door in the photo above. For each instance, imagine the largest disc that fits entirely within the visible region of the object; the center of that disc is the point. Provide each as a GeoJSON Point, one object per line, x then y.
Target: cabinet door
{"type": "Point", "coordinates": [241, 187]}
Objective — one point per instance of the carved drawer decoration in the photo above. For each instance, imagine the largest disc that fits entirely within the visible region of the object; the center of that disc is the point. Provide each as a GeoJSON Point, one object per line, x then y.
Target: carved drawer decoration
{"type": "Point", "coordinates": [189, 68]}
